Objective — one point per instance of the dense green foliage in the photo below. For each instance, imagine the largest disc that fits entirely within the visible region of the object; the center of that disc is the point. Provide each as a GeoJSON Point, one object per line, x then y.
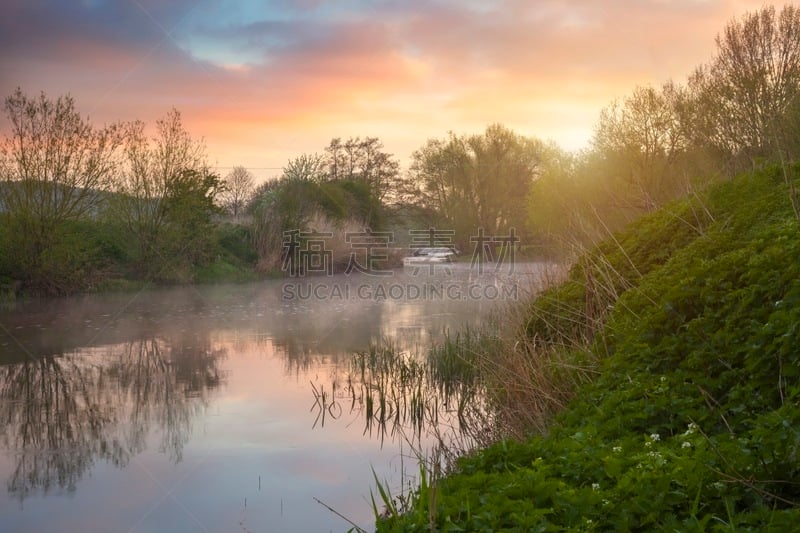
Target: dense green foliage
{"type": "Point", "coordinates": [694, 419]}
{"type": "Point", "coordinates": [87, 208]}
{"type": "Point", "coordinates": [92, 255]}
{"type": "Point", "coordinates": [475, 182]}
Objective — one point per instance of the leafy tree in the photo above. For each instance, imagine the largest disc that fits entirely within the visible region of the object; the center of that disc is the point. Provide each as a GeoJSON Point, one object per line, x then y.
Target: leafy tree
{"type": "Point", "coordinates": [300, 200]}
{"type": "Point", "coordinates": [556, 201]}
{"type": "Point", "coordinates": [190, 206]}
{"type": "Point", "coordinates": [54, 169]}
{"type": "Point", "coordinates": [362, 160]}
{"type": "Point", "coordinates": [305, 167]}
{"type": "Point", "coordinates": [477, 181]}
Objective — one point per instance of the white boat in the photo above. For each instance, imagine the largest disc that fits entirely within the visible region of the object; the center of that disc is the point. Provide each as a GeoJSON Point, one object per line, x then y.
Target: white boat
{"type": "Point", "coordinates": [430, 255]}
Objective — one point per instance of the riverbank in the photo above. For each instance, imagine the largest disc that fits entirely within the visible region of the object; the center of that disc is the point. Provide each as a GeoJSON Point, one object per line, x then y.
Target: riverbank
{"type": "Point", "coordinates": [688, 325]}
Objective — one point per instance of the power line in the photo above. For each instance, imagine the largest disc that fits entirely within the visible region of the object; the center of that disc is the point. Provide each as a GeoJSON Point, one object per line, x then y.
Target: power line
{"type": "Point", "coordinates": [253, 168]}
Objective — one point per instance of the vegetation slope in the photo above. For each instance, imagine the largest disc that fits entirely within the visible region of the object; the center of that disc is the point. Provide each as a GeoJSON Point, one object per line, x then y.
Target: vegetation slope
{"type": "Point", "coordinates": [693, 420]}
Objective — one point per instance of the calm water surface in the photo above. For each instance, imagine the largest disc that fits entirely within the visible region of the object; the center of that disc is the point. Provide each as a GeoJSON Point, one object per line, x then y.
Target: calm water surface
{"type": "Point", "coordinates": [198, 408]}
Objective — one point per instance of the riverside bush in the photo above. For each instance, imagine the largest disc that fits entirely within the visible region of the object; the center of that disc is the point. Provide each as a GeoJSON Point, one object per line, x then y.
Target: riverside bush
{"type": "Point", "coordinates": [693, 421]}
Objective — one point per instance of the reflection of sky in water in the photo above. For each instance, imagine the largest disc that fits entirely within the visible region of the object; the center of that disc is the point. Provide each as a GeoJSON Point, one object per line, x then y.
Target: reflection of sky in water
{"type": "Point", "coordinates": [160, 411]}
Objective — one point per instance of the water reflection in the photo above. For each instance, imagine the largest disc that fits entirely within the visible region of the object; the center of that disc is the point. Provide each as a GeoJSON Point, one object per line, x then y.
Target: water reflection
{"type": "Point", "coordinates": [400, 395]}
{"type": "Point", "coordinates": [201, 395]}
{"type": "Point", "coordinates": [59, 414]}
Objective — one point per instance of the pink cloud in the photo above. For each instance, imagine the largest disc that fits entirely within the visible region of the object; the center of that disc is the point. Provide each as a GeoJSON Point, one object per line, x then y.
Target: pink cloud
{"type": "Point", "coordinates": [405, 74]}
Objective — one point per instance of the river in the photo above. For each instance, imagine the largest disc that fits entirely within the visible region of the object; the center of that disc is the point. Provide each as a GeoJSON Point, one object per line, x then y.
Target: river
{"type": "Point", "coordinates": [217, 408]}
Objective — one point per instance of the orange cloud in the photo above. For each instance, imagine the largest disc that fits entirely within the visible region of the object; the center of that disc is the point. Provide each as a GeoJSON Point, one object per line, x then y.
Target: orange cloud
{"type": "Point", "coordinates": [266, 88]}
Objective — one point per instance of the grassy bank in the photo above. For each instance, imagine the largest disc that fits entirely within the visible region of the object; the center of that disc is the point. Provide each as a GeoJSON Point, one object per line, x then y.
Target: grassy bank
{"type": "Point", "coordinates": [96, 255]}
{"type": "Point", "coordinates": [671, 390]}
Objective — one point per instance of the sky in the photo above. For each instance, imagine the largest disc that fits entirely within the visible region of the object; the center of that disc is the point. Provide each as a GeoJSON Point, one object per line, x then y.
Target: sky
{"type": "Point", "coordinates": [261, 82]}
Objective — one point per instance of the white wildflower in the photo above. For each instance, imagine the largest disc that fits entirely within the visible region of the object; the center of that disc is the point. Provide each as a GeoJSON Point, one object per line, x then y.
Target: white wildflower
{"type": "Point", "coordinates": [617, 449]}
{"type": "Point", "coordinates": [686, 444]}
{"type": "Point", "coordinates": [655, 437]}
{"type": "Point", "coordinates": [595, 486]}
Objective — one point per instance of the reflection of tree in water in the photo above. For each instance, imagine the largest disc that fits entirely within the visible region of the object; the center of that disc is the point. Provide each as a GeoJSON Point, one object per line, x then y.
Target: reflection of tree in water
{"type": "Point", "coordinates": [58, 415]}
{"type": "Point", "coordinates": [327, 332]}
{"type": "Point", "coordinates": [301, 355]}
{"type": "Point", "coordinates": [53, 423]}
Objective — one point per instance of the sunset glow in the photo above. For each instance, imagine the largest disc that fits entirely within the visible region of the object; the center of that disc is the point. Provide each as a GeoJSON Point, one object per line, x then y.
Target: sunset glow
{"type": "Point", "coordinates": [264, 82]}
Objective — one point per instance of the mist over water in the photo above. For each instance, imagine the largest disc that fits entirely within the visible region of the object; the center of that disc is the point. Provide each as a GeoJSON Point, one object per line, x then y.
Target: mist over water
{"type": "Point", "coordinates": [198, 408]}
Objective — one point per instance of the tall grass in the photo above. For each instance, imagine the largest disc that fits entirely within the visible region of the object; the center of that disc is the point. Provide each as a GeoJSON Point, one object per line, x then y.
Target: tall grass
{"type": "Point", "coordinates": [528, 362]}
{"type": "Point", "coordinates": [545, 348]}
{"type": "Point", "coordinates": [509, 378]}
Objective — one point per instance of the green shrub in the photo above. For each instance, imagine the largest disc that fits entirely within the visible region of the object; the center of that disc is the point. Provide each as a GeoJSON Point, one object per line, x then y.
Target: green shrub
{"type": "Point", "coordinates": [236, 241]}
{"type": "Point", "coordinates": [694, 420]}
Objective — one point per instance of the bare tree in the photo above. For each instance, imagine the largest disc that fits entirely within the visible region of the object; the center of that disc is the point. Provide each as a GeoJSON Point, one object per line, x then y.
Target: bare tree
{"type": "Point", "coordinates": [54, 168]}
{"type": "Point", "coordinates": [753, 77]}
{"type": "Point", "coordinates": [335, 159]}
{"type": "Point", "coordinates": [156, 173]}
{"type": "Point", "coordinates": [378, 168]}
{"type": "Point", "coordinates": [641, 139]}
{"type": "Point", "coordinates": [238, 189]}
